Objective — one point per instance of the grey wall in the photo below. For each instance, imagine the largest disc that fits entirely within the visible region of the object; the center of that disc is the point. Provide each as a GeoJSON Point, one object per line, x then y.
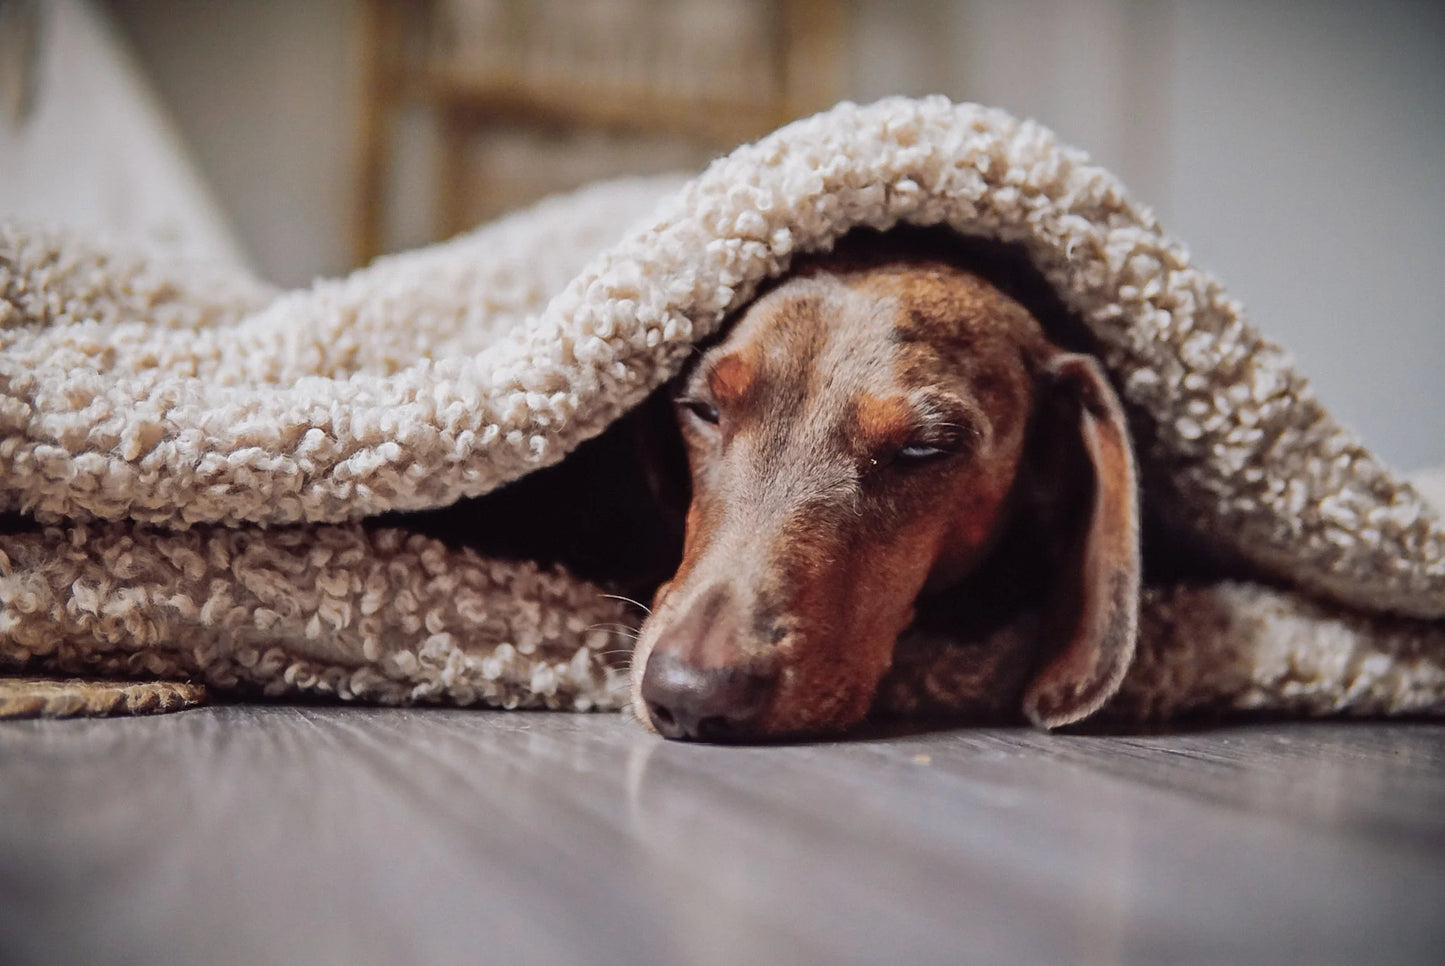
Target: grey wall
{"type": "Point", "coordinates": [1307, 166]}
{"type": "Point", "coordinates": [87, 143]}
{"type": "Point", "coordinates": [1297, 146]}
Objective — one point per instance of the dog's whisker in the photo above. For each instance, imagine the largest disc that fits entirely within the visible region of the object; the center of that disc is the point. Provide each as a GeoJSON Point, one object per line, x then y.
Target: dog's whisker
{"type": "Point", "coordinates": [627, 630]}
{"type": "Point", "coordinates": [630, 600]}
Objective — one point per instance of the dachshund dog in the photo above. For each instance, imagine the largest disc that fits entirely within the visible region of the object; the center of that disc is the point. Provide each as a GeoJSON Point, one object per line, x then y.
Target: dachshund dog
{"type": "Point", "coordinates": [879, 443]}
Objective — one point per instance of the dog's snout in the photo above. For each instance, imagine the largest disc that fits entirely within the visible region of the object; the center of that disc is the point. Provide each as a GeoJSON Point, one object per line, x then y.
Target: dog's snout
{"type": "Point", "coordinates": [706, 704]}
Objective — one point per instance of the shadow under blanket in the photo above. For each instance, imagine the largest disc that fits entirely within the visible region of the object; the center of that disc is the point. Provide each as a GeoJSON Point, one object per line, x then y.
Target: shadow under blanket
{"type": "Point", "coordinates": [202, 478]}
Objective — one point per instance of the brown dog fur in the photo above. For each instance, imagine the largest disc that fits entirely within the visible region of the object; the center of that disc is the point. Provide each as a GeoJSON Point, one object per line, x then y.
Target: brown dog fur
{"type": "Point", "coordinates": [870, 436]}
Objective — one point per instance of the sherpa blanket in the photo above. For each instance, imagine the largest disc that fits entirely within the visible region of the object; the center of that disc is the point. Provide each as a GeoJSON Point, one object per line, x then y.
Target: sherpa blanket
{"type": "Point", "coordinates": [187, 456]}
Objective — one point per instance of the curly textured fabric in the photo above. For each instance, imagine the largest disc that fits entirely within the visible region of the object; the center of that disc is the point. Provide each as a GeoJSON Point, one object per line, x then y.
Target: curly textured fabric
{"type": "Point", "coordinates": [200, 447]}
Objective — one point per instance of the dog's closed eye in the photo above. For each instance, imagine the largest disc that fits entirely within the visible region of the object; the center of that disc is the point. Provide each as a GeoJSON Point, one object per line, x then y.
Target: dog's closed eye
{"type": "Point", "coordinates": [940, 435]}
{"type": "Point", "coordinates": [914, 453]}
{"type": "Point", "coordinates": [699, 409]}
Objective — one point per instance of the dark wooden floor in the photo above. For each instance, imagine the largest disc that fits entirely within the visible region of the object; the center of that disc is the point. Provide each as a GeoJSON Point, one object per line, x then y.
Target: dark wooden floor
{"type": "Point", "coordinates": [336, 835]}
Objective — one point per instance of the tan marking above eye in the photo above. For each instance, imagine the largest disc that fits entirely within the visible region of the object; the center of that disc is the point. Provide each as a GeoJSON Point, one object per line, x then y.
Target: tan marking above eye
{"type": "Point", "coordinates": [730, 378]}
{"type": "Point", "coordinates": [883, 420]}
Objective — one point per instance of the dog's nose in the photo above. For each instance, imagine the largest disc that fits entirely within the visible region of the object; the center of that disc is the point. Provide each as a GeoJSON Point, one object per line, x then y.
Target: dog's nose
{"type": "Point", "coordinates": [706, 704]}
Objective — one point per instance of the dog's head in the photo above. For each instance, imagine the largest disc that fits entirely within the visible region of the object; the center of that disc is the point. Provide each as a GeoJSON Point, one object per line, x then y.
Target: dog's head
{"type": "Point", "coordinates": [865, 436]}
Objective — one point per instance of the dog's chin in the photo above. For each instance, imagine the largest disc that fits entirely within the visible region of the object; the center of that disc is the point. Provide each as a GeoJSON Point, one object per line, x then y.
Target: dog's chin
{"type": "Point", "coordinates": [802, 729]}
{"type": "Point", "coordinates": [818, 714]}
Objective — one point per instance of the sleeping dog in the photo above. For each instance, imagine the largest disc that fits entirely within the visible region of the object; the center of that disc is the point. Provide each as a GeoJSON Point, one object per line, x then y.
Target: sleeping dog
{"type": "Point", "coordinates": [882, 444]}
{"type": "Point", "coordinates": [886, 451]}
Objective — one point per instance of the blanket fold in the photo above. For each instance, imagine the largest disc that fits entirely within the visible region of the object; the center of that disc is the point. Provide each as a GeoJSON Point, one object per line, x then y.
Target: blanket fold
{"type": "Point", "coordinates": [196, 450]}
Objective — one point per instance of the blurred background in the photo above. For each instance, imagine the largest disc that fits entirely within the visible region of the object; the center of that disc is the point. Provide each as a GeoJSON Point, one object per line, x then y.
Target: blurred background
{"type": "Point", "coordinates": [1297, 146]}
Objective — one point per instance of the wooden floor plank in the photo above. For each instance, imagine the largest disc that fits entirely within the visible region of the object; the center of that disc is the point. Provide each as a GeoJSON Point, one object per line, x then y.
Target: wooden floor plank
{"type": "Point", "coordinates": [351, 835]}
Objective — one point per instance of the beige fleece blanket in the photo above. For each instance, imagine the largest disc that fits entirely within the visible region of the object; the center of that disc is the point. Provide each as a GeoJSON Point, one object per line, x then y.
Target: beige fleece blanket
{"type": "Point", "coordinates": [197, 450]}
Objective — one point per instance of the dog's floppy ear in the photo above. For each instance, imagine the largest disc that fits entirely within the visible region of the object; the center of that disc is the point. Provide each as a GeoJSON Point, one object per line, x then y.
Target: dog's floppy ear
{"type": "Point", "coordinates": [1090, 622]}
